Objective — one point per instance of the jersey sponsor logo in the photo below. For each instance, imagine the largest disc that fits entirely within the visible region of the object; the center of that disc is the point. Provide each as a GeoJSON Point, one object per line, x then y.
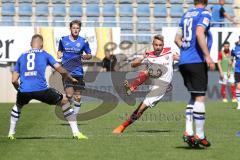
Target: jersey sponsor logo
{"type": "Point", "coordinates": [191, 14]}
{"type": "Point", "coordinates": [78, 45]}
{"type": "Point", "coordinates": [206, 21]}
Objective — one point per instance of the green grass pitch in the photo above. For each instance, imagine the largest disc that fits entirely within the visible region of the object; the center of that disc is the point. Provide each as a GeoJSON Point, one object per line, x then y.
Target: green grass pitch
{"type": "Point", "coordinates": [157, 135]}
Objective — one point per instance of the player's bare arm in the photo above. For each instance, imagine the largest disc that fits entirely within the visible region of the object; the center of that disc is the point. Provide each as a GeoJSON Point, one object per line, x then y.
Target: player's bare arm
{"type": "Point", "coordinates": [201, 38]}
{"type": "Point", "coordinates": [86, 56]}
{"type": "Point", "coordinates": [178, 38]}
{"type": "Point", "coordinates": [59, 54]}
{"type": "Point", "coordinates": [64, 73]}
{"type": "Point", "coordinates": [15, 77]}
{"type": "Point", "coordinates": [220, 69]}
{"type": "Point", "coordinates": [136, 62]}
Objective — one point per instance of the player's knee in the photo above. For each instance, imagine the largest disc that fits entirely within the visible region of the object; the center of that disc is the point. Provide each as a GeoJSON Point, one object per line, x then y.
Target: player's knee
{"type": "Point", "coordinates": [77, 98]}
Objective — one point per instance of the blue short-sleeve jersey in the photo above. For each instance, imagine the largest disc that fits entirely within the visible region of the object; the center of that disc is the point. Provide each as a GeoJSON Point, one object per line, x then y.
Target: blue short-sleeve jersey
{"type": "Point", "coordinates": [236, 54]}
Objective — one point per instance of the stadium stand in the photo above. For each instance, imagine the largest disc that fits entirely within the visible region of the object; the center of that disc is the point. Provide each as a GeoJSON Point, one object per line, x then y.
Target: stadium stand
{"type": "Point", "coordinates": [138, 16]}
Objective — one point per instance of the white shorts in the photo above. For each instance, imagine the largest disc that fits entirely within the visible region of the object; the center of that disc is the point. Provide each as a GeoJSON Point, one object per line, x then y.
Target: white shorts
{"type": "Point", "coordinates": [156, 93]}
{"type": "Point", "coordinates": [227, 80]}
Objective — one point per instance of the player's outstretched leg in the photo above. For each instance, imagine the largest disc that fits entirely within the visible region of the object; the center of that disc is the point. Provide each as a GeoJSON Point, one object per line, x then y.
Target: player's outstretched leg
{"type": "Point", "coordinates": [142, 77]}
{"type": "Point", "coordinates": [71, 118]}
{"type": "Point", "coordinates": [135, 115]}
{"type": "Point", "coordinates": [15, 115]}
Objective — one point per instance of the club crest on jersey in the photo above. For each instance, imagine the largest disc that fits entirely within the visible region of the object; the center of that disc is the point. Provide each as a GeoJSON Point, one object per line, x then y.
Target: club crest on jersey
{"type": "Point", "coordinates": [167, 57]}
{"type": "Point", "coordinates": [78, 44]}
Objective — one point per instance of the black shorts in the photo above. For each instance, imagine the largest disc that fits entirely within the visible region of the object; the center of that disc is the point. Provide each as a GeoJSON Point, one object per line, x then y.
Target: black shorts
{"type": "Point", "coordinates": [79, 86]}
{"type": "Point", "coordinates": [195, 77]}
{"type": "Point", "coordinates": [237, 77]}
{"type": "Point", "coordinates": [50, 96]}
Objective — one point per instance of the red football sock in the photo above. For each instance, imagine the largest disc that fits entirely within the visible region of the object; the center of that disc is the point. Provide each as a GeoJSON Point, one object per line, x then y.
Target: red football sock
{"type": "Point", "coordinates": [142, 77]}
{"type": "Point", "coordinates": [233, 90]}
{"type": "Point", "coordinates": [223, 91]}
{"type": "Point", "coordinates": [135, 115]}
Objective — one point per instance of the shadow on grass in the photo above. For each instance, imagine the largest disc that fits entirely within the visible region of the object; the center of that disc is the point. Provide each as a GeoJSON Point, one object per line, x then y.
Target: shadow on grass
{"type": "Point", "coordinates": [38, 138]}
{"type": "Point", "coordinates": [189, 148]}
{"type": "Point", "coordinates": [154, 131]}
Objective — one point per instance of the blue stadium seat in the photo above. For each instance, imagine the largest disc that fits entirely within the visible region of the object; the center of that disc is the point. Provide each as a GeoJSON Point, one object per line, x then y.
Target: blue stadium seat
{"type": "Point", "coordinates": [159, 23]}
{"type": "Point", "coordinates": [126, 24]}
{"type": "Point", "coordinates": [109, 10]}
{"type": "Point", "coordinates": [58, 21]}
{"type": "Point", "coordinates": [125, 10]}
{"type": "Point", "coordinates": [42, 10]}
{"type": "Point", "coordinates": [175, 22]}
{"type": "Point", "coordinates": [125, 1]}
{"type": "Point", "coordinates": [176, 10]}
{"type": "Point", "coordinates": [25, 14]}
{"type": "Point", "coordinates": [160, 11]}
{"type": "Point", "coordinates": [24, 21]}
{"type": "Point", "coordinates": [24, 1]}
{"type": "Point", "coordinates": [8, 1]}
{"type": "Point", "coordinates": [229, 10]}
{"type": "Point", "coordinates": [109, 1]}
{"type": "Point", "coordinates": [75, 11]}
{"type": "Point", "coordinates": [159, 1]}
{"type": "Point", "coordinates": [41, 21]}
{"type": "Point", "coordinates": [75, 1]}
{"type": "Point", "coordinates": [92, 21]}
{"type": "Point", "coordinates": [143, 1]}
{"type": "Point", "coordinates": [7, 21]}
{"type": "Point", "coordinates": [58, 1]}
{"type": "Point", "coordinates": [109, 22]}
{"type": "Point", "coordinates": [25, 9]}
{"type": "Point", "coordinates": [143, 10]}
{"type": "Point", "coordinates": [92, 10]}
{"type": "Point", "coordinates": [59, 12]}
{"type": "Point", "coordinates": [41, 1]}
{"type": "Point", "coordinates": [143, 24]}
{"type": "Point", "coordinates": [92, 1]}
{"type": "Point", "coordinates": [8, 9]}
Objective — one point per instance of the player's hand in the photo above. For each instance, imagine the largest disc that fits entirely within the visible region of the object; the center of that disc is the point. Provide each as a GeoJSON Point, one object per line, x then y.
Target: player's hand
{"type": "Point", "coordinates": [228, 74]}
{"type": "Point", "coordinates": [59, 54]}
{"type": "Point", "coordinates": [210, 63]}
{"type": "Point", "coordinates": [86, 57]}
{"type": "Point", "coordinates": [221, 76]}
{"type": "Point", "coordinates": [176, 56]}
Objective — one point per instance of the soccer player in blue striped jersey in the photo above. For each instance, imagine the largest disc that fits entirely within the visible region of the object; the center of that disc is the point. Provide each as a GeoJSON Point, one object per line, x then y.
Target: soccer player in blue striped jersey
{"type": "Point", "coordinates": [30, 68]}
{"type": "Point", "coordinates": [236, 55]}
{"type": "Point", "coordinates": [194, 61]}
{"type": "Point", "coordinates": [73, 49]}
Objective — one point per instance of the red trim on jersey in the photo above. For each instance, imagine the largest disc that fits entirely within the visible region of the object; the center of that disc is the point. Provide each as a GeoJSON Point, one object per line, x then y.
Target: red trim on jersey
{"type": "Point", "coordinates": [165, 51]}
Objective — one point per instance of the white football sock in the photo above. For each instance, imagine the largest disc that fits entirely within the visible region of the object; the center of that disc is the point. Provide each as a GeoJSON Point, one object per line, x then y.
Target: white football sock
{"type": "Point", "coordinates": [238, 96]}
{"type": "Point", "coordinates": [70, 117]}
{"type": "Point", "coordinates": [15, 115]}
{"type": "Point", "coordinates": [199, 118]}
{"type": "Point", "coordinates": [77, 106]}
{"type": "Point", "coordinates": [189, 119]}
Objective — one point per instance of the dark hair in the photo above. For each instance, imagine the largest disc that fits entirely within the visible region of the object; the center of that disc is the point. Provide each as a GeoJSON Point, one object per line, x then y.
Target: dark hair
{"type": "Point", "coordinates": [35, 36]}
{"type": "Point", "coordinates": [79, 23]}
{"type": "Point", "coordinates": [159, 37]}
{"type": "Point", "coordinates": [226, 42]}
{"type": "Point", "coordinates": [204, 2]}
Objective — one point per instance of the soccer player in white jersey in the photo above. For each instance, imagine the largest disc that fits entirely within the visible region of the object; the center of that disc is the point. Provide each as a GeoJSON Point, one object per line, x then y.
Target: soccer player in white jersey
{"type": "Point", "coordinates": [160, 60]}
{"type": "Point", "coordinates": [194, 40]}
